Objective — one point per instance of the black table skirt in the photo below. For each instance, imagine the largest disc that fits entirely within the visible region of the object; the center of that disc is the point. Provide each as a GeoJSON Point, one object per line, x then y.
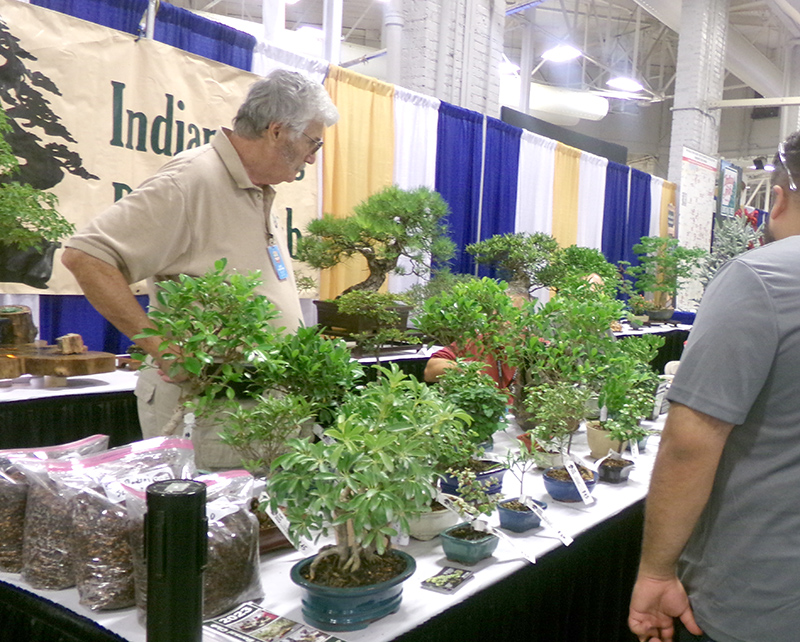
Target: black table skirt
{"type": "Point", "coordinates": [57, 420]}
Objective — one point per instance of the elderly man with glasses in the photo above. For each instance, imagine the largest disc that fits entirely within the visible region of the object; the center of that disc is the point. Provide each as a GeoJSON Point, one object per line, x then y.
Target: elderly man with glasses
{"type": "Point", "coordinates": [721, 549]}
{"type": "Point", "coordinates": [207, 203]}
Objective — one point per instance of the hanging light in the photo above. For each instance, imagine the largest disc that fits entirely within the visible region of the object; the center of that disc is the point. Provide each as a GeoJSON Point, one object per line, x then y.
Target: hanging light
{"type": "Point", "coordinates": [561, 53]}
{"type": "Point", "coordinates": [623, 83]}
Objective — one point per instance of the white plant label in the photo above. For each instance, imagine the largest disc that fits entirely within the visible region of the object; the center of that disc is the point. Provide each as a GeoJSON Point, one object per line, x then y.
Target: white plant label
{"type": "Point", "coordinates": [565, 539]}
{"type": "Point", "coordinates": [572, 469]}
{"type": "Point", "coordinates": [401, 539]}
{"type": "Point", "coordinates": [319, 432]}
{"type": "Point", "coordinates": [484, 527]}
{"type": "Point", "coordinates": [448, 503]}
{"type": "Point", "coordinates": [283, 525]}
{"type": "Point", "coordinates": [634, 448]}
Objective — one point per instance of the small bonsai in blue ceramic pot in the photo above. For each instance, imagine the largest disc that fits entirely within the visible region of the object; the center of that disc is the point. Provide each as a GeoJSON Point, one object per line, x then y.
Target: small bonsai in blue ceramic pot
{"type": "Point", "coordinates": [462, 543]}
{"type": "Point", "coordinates": [560, 486]}
{"type": "Point", "coordinates": [516, 516]}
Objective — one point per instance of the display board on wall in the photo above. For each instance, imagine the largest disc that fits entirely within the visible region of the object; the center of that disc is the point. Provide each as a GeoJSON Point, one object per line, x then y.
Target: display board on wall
{"type": "Point", "coordinates": [730, 181]}
{"type": "Point", "coordinates": [100, 111]}
{"type": "Point", "coordinates": [696, 212]}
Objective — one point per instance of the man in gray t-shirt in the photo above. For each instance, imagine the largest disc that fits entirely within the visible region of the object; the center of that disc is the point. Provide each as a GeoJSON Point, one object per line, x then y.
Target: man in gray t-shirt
{"type": "Point", "coordinates": [721, 548]}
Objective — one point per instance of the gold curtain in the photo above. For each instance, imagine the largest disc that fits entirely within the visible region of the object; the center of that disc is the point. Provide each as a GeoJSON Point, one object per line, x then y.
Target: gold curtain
{"type": "Point", "coordinates": [358, 158]}
{"type": "Point", "coordinates": [668, 194]}
{"type": "Point", "coordinates": [565, 194]}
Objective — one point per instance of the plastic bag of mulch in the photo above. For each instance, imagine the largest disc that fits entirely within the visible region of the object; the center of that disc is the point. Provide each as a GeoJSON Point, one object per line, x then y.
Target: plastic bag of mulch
{"type": "Point", "coordinates": [14, 492]}
{"type": "Point", "coordinates": [232, 573]}
{"type": "Point", "coordinates": [76, 524]}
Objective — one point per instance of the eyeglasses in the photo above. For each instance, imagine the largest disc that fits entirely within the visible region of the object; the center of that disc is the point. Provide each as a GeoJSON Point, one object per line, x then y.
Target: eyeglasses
{"type": "Point", "coordinates": [317, 144]}
{"type": "Point", "coordinates": [782, 158]}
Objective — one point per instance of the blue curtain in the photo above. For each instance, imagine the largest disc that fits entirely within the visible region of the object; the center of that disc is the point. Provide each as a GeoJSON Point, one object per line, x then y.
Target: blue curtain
{"type": "Point", "coordinates": [615, 212]}
{"type": "Point", "coordinates": [458, 176]}
{"type": "Point", "coordinates": [123, 15]}
{"type": "Point", "coordinates": [500, 168]}
{"type": "Point", "coordinates": [638, 224]}
{"type": "Point", "coordinates": [61, 314]}
{"type": "Point", "coordinates": [185, 30]}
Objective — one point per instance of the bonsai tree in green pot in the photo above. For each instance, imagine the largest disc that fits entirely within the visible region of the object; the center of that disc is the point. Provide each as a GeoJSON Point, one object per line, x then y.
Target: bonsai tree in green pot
{"type": "Point", "coordinates": [389, 225]}
{"type": "Point", "coordinates": [663, 266]}
{"type": "Point", "coordinates": [370, 474]}
{"type": "Point", "coordinates": [30, 225]}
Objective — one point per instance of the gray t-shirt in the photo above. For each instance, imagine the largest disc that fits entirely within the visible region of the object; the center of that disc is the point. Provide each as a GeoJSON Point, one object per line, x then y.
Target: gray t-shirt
{"type": "Point", "coordinates": [741, 365]}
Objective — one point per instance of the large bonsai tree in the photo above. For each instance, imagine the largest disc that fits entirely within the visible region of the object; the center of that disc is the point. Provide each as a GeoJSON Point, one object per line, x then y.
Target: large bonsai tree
{"type": "Point", "coordinates": [390, 224]}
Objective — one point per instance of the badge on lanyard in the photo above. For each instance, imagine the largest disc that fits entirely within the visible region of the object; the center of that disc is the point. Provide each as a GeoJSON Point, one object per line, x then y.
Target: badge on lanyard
{"type": "Point", "coordinates": [277, 262]}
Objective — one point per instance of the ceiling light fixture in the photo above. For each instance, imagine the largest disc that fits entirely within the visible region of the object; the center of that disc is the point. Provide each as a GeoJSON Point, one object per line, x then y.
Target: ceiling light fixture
{"type": "Point", "coordinates": [561, 53]}
{"type": "Point", "coordinates": [624, 83]}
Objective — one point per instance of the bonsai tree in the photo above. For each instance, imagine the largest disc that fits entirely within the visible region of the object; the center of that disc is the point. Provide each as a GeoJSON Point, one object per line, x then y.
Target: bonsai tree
{"type": "Point", "coordinates": [556, 410]}
{"type": "Point", "coordinates": [390, 224]}
{"type": "Point", "coordinates": [378, 319]}
{"type": "Point", "coordinates": [469, 388]}
{"type": "Point", "coordinates": [663, 266]}
{"type": "Point", "coordinates": [518, 258]}
{"type": "Point", "coordinates": [372, 471]}
{"type": "Point", "coordinates": [213, 329]}
{"type": "Point", "coordinates": [28, 216]}
{"type": "Point", "coordinates": [574, 264]}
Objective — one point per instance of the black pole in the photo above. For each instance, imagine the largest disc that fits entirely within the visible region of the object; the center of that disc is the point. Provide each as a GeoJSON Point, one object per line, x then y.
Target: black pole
{"type": "Point", "coordinates": [176, 549]}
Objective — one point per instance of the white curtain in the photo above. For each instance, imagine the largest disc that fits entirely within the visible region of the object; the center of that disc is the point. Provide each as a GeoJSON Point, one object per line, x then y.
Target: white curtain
{"type": "Point", "coordinates": [591, 190]}
{"type": "Point", "coordinates": [535, 183]}
{"type": "Point", "coordinates": [416, 122]}
{"type": "Point", "coordinates": [656, 192]}
{"type": "Point", "coordinates": [267, 57]}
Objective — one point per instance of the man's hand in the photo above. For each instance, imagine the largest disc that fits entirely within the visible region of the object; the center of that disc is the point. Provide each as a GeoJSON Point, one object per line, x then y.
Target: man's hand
{"type": "Point", "coordinates": [654, 604]}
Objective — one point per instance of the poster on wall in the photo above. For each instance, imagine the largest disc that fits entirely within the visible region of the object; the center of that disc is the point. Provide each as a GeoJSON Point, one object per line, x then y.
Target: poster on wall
{"type": "Point", "coordinates": [695, 212]}
{"type": "Point", "coordinates": [730, 180]}
{"type": "Point", "coordinates": [96, 111]}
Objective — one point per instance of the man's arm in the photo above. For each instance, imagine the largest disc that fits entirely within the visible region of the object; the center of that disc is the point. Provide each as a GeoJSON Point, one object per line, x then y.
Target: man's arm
{"type": "Point", "coordinates": [107, 290]}
{"type": "Point", "coordinates": [435, 367]}
{"type": "Point", "coordinates": [687, 461]}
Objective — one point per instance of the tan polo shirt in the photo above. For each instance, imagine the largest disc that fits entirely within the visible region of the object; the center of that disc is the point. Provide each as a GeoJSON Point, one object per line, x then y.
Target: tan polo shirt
{"type": "Point", "coordinates": [199, 207]}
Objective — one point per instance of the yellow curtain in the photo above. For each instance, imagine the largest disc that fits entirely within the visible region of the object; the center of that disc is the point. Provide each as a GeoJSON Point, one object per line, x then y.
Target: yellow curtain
{"type": "Point", "coordinates": [358, 158]}
{"type": "Point", "coordinates": [565, 194]}
{"type": "Point", "coordinates": [668, 195]}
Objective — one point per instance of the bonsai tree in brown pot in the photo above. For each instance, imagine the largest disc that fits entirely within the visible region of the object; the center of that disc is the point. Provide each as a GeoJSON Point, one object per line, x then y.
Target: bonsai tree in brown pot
{"type": "Point", "coordinates": [390, 225]}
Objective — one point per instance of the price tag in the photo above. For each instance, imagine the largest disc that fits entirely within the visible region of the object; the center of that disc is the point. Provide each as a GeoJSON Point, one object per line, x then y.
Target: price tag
{"type": "Point", "coordinates": [572, 469]}
{"type": "Point", "coordinates": [283, 525]}
{"type": "Point", "coordinates": [482, 526]}
{"type": "Point", "coordinates": [565, 539]}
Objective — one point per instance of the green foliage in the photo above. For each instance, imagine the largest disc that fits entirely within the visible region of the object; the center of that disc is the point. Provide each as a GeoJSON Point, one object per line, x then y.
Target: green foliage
{"type": "Point", "coordinates": [219, 328]}
{"type": "Point", "coordinates": [312, 366]}
{"type": "Point", "coordinates": [477, 311]}
{"type": "Point", "coordinates": [442, 280]}
{"type": "Point", "coordinates": [468, 387]}
{"type": "Point", "coordinates": [557, 409]}
{"type": "Point", "coordinates": [732, 237]}
{"type": "Point", "coordinates": [664, 265]}
{"type": "Point", "coordinates": [258, 432]}
{"type": "Point", "coordinates": [472, 496]}
{"type": "Point", "coordinates": [571, 265]}
{"type": "Point", "coordinates": [379, 310]}
{"type": "Point", "coordinates": [375, 468]}
{"type": "Point", "coordinates": [519, 258]}
{"type": "Point", "coordinates": [390, 224]}
{"type": "Point", "coordinates": [28, 216]}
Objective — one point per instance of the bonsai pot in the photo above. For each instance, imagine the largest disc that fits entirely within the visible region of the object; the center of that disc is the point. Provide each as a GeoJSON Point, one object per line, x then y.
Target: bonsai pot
{"type": "Point", "coordinates": [615, 471]}
{"type": "Point", "coordinates": [351, 608]}
{"type": "Point", "coordinates": [564, 490]}
{"type": "Point", "coordinates": [467, 551]}
{"type": "Point", "coordinates": [328, 316]}
{"type": "Point", "coordinates": [491, 479]}
{"type": "Point", "coordinates": [429, 525]}
{"type": "Point", "coordinates": [661, 315]}
{"type": "Point", "coordinates": [516, 517]}
{"type": "Point", "coordinates": [600, 441]}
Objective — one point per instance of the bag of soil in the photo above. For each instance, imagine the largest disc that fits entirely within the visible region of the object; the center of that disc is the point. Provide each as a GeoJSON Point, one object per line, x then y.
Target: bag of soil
{"type": "Point", "coordinates": [14, 492]}
{"type": "Point", "coordinates": [232, 573]}
{"type": "Point", "coordinates": [84, 501]}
